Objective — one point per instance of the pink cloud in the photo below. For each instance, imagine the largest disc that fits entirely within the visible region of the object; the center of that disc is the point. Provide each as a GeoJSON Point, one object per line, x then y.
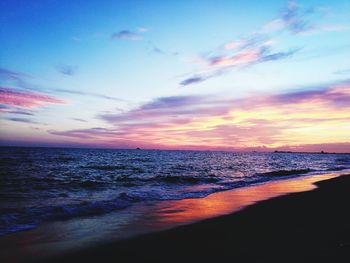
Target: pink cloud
{"type": "Point", "coordinates": [259, 46]}
{"type": "Point", "coordinates": [207, 122]}
{"type": "Point", "coordinates": [234, 44]}
{"type": "Point", "coordinates": [241, 58]}
{"type": "Point", "coordinates": [26, 99]}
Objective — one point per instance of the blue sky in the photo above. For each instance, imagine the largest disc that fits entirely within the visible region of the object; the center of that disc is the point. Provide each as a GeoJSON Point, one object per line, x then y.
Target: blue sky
{"type": "Point", "coordinates": [114, 57]}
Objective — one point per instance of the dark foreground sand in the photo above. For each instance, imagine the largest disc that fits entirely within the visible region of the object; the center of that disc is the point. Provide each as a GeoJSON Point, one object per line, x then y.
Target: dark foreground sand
{"type": "Point", "coordinates": [310, 226]}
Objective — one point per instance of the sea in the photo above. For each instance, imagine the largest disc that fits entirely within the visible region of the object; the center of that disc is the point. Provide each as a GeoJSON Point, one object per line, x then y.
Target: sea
{"type": "Point", "coordinates": [39, 185]}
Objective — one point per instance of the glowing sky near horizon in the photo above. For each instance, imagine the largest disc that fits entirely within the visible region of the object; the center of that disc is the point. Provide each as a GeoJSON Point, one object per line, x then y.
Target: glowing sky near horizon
{"type": "Point", "coordinates": [225, 75]}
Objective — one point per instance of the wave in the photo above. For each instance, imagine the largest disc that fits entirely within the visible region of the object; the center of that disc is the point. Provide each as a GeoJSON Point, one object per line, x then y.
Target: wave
{"type": "Point", "coordinates": [171, 179]}
{"type": "Point", "coordinates": [68, 176]}
{"type": "Point", "coordinates": [338, 168]}
{"type": "Point", "coordinates": [107, 167]}
{"type": "Point", "coordinates": [31, 217]}
{"type": "Point", "coordinates": [12, 221]}
{"type": "Point", "coordinates": [187, 179]}
{"type": "Point", "coordinates": [115, 168]}
{"type": "Point", "coordinates": [343, 160]}
{"type": "Point", "coordinates": [281, 173]}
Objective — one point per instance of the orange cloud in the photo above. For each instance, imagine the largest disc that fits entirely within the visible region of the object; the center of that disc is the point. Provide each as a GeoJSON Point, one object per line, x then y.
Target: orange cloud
{"type": "Point", "coordinates": [310, 117]}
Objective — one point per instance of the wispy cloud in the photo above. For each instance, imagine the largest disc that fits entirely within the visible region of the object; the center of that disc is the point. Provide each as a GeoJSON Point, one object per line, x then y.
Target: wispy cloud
{"type": "Point", "coordinates": [67, 70]}
{"type": "Point", "coordinates": [272, 120]}
{"type": "Point", "coordinates": [6, 74]}
{"type": "Point", "coordinates": [78, 119]}
{"type": "Point", "coordinates": [260, 46]}
{"type": "Point", "coordinates": [160, 51]}
{"type": "Point", "coordinates": [294, 18]}
{"type": "Point", "coordinates": [24, 120]}
{"type": "Point", "coordinates": [20, 112]}
{"type": "Point", "coordinates": [20, 120]}
{"type": "Point", "coordinates": [342, 71]}
{"type": "Point", "coordinates": [12, 97]}
{"type": "Point", "coordinates": [220, 64]}
{"type": "Point", "coordinates": [127, 35]}
{"type": "Point", "coordinates": [84, 93]}
{"type": "Point", "coordinates": [143, 29]}
{"type": "Point", "coordinates": [193, 79]}
{"type": "Point", "coordinates": [20, 80]}
{"type": "Point", "coordinates": [87, 133]}
{"type": "Point", "coordinates": [297, 19]}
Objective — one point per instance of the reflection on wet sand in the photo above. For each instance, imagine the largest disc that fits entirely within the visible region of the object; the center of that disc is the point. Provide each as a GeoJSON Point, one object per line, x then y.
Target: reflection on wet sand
{"type": "Point", "coordinates": [54, 238]}
{"type": "Point", "coordinates": [191, 210]}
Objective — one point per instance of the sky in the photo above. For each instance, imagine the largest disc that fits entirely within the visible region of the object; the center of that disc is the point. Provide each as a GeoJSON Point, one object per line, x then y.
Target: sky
{"type": "Point", "coordinates": [197, 75]}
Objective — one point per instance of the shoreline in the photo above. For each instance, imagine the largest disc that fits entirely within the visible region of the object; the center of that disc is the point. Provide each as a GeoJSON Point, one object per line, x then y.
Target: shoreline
{"type": "Point", "coordinates": [155, 218]}
{"type": "Point", "coordinates": [307, 226]}
{"type": "Point", "coordinates": [46, 242]}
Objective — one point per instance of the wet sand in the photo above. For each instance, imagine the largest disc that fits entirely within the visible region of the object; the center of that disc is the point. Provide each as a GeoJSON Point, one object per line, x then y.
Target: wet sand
{"type": "Point", "coordinates": [311, 226]}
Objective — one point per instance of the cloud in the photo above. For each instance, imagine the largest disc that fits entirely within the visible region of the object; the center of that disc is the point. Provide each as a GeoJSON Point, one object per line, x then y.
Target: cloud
{"type": "Point", "coordinates": [343, 147]}
{"type": "Point", "coordinates": [12, 97]}
{"type": "Point", "coordinates": [142, 29]}
{"type": "Point", "coordinates": [219, 65]}
{"type": "Point", "coordinates": [157, 50]}
{"type": "Point", "coordinates": [19, 79]}
{"type": "Point", "coordinates": [298, 20]}
{"type": "Point", "coordinates": [306, 116]}
{"type": "Point", "coordinates": [192, 80]}
{"type": "Point", "coordinates": [78, 119]}
{"type": "Point", "coordinates": [84, 93]}
{"type": "Point", "coordinates": [86, 133]}
{"type": "Point", "coordinates": [294, 19]}
{"type": "Point", "coordinates": [20, 120]}
{"type": "Point", "coordinates": [127, 35]}
{"type": "Point", "coordinates": [20, 112]}
{"type": "Point", "coordinates": [242, 58]}
{"type": "Point", "coordinates": [342, 71]}
{"type": "Point", "coordinates": [24, 120]}
{"type": "Point", "coordinates": [67, 70]}
{"type": "Point", "coordinates": [6, 74]}
{"type": "Point", "coordinates": [279, 55]}
{"type": "Point", "coordinates": [260, 46]}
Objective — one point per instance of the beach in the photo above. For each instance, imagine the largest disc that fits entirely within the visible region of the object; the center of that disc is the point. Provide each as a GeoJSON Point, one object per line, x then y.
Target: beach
{"type": "Point", "coordinates": [174, 131]}
{"type": "Point", "coordinates": [308, 226]}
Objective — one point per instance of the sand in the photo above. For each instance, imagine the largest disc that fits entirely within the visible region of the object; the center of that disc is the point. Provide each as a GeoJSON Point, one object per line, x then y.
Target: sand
{"type": "Point", "coordinates": [311, 226]}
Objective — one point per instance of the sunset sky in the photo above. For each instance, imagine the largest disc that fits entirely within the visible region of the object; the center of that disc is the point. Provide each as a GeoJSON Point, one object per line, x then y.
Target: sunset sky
{"type": "Point", "coordinates": [218, 75]}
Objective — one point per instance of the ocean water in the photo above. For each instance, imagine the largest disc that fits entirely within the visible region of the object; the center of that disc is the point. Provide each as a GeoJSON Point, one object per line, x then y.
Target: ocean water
{"type": "Point", "coordinates": [46, 184]}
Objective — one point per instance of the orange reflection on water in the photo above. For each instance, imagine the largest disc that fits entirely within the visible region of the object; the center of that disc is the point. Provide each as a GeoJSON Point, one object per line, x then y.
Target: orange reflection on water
{"type": "Point", "coordinates": [191, 210]}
